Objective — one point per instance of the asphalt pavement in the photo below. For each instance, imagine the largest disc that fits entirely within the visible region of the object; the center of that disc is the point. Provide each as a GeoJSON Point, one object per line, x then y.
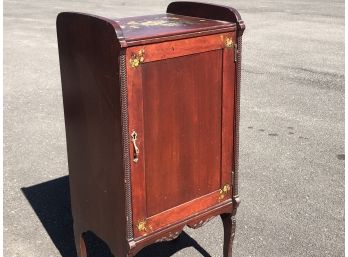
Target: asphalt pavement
{"type": "Point", "coordinates": [291, 132]}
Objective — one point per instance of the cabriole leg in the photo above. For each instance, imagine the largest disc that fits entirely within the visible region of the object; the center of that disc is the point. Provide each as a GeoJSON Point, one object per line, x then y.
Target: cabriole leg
{"type": "Point", "coordinates": [229, 222]}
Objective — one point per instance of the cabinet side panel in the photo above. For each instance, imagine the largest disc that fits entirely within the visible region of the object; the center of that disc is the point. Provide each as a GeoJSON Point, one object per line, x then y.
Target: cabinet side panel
{"type": "Point", "coordinates": [89, 53]}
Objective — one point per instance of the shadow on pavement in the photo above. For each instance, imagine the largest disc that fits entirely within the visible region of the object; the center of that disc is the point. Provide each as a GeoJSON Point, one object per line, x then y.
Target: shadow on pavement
{"type": "Point", "coordinates": [51, 203]}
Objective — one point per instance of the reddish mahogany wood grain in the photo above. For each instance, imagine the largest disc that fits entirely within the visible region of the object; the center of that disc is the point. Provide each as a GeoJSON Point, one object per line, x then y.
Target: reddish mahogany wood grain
{"type": "Point", "coordinates": [172, 49]}
{"type": "Point", "coordinates": [136, 123]}
{"type": "Point", "coordinates": [229, 83]}
{"type": "Point", "coordinates": [182, 122]}
{"type": "Point", "coordinates": [141, 242]}
{"type": "Point", "coordinates": [183, 211]}
{"type": "Point", "coordinates": [178, 37]}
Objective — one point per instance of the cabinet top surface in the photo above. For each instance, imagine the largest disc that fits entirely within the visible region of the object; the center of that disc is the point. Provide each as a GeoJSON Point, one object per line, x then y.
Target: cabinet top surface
{"type": "Point", "coordinates": [163, 25]}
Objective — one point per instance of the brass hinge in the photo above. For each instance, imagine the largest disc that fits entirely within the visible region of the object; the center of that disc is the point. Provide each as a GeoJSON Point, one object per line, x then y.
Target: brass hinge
{"type": "Point", "coordinates": [224, 191]}
{"type": "Point", "coordinates": [137, 58]}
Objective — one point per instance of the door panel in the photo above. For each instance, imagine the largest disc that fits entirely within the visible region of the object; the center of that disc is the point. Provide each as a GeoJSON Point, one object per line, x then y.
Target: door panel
{"type": "Point", "coordinates": [182, 128]}
{"type": "Point", "coordinates": [180, 103]}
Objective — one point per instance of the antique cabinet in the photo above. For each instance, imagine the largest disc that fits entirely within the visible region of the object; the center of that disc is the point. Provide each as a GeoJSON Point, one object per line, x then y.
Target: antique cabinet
{"type": "Point", "coordinates": [151, 109]}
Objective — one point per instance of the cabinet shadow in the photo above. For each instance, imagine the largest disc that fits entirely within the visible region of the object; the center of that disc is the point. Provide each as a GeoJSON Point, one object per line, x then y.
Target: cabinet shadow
{"type": "Point", "coordinates": [51, 202]}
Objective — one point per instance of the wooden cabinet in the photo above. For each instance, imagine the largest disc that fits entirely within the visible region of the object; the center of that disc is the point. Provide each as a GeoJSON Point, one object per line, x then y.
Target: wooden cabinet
{"type": "Point", "coordinates": [151, 110]}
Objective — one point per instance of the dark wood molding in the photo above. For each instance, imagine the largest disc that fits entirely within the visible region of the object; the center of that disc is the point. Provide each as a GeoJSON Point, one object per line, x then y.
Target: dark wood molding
{"type": "Point", "coordinates": [208, 11]}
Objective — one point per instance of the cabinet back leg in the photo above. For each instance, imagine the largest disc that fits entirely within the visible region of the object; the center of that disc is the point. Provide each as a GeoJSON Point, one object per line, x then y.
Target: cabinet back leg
{"type": "Point", "coordinates": [80, 245]}
{"type": "Point", "coordinates": [229, 222]}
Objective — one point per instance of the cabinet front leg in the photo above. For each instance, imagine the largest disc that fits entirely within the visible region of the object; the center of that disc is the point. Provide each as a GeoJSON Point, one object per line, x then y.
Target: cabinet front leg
{"type": "Point", "coordinates": [229, 222]}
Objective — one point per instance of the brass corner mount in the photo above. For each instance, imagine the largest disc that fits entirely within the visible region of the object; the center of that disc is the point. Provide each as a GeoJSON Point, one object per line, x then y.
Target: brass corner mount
{"type": "Point", "coordinates": [228, 42]}
{"type": "Point", "coordinates": [224, 191]}
{"type": "Point", "coordinates": [143, 226]}
{"type": "Point", "coordinates": [137, 58]}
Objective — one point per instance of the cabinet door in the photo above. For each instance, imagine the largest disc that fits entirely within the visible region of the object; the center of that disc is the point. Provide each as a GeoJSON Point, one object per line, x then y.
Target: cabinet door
{"type": "Point", "coordinates": [181, 116]}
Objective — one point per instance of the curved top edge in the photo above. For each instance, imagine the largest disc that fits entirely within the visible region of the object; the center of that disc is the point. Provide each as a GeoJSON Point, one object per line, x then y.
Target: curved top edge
{"type": "Point", "coordinates": [108, 22]}
{"type": "Point", "coordinates": [207, 10]}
